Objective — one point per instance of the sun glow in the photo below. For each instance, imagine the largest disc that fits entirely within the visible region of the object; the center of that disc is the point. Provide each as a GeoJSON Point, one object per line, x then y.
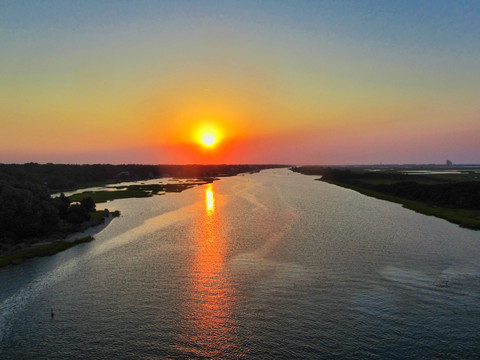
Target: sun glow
{"type": "Point", "coordinates": [208, 139]}
{"type": "Point", "coordinates": [208, 135]}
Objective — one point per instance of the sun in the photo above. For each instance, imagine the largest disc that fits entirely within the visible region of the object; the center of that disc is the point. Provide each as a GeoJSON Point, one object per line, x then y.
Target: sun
{"type": "Point", "coordinates": [208, 139]}
{"type": "Point", "coordinates": [208, 135]}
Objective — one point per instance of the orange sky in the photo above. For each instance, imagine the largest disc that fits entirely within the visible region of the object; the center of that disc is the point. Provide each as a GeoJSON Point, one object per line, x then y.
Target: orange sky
{"type": "Point", "coordinates": [312, 83]}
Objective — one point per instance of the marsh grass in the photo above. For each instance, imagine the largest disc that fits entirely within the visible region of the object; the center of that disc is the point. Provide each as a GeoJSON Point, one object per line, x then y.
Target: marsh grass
{"type": "Point", "coordinates": [20, 256]}
{"type": "Point", "coordinates": [105, 195]}
{"type": "Point", "coordinates": [133, 191]}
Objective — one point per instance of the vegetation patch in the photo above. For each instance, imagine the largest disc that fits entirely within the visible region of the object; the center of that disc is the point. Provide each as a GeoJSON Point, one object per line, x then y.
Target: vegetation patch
{"type": "Point", "coordinates": [63, 177]}
{"type": "Point", "coordinates": [105, 195]}
{"type": "Point", "coordinates": [32, 223]}
{"type": "Point", "coordinates": [455, 199]}
{"type": "Point", "coordinates": [466, 218]}
{"type": "Point", "coordinates": [135, 191]}
{"type": "Point", "coordinates": [20, 256]}
{"type": "Point", "coordinates": [98, 217]}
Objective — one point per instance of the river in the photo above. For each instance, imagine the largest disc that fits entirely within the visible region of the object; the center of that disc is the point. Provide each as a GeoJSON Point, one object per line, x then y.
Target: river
{"type": "Point", "coordinates": [273, 265]}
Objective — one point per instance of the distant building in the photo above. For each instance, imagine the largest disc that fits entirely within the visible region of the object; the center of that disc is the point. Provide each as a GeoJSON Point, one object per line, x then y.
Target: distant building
{"type": "Point", "coordinates": [449, 163]}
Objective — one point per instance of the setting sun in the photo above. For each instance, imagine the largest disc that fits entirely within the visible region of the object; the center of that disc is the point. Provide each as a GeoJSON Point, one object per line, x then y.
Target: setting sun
{"type": "Point", "coordinates": [208, 139]}
{"type": "Point", "coordinates": [208, 135]}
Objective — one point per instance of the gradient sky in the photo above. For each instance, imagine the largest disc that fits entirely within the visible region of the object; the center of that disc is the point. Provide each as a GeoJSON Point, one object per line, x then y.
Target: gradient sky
{"type": "Point", "coordinates": [298, 82]}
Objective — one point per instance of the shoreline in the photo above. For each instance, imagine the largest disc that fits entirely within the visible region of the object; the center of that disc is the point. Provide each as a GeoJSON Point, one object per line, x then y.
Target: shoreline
{"type": "Point", "coordinates": [52, 247]}
{"type": "Point", "coordinates": [465, 218]}
{"type": "Point", "coordinates": [64, 242]}
{"type": "Point", "coordinates": [91, 231]}
{"type": "Point", "coordinates": [48, 248]}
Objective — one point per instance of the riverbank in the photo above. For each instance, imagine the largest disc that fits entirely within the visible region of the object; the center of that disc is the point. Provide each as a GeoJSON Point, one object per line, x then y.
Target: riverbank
{"type": "Point", "coordinates": [136, 191]}
{"type": "Point", "coordinates": [52, 248]}
{"type": "Point", "coordinates": [58, 178]}
{"type": "Point", "coordinates": [450, 195]}
{"type": "Point", "coordinates": [466, 218]}
{"type": "Point", "coordinates": [99, 220]}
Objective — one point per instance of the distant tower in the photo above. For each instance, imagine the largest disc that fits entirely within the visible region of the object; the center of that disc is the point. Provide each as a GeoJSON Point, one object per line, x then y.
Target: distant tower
{"type": "Point", "coordinates": [449, 163]}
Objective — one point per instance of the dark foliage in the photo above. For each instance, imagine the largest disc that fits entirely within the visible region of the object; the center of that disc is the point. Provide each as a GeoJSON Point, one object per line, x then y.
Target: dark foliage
{"type": "Point", "coordinates": [62, 177]}
{"type": "Point", "coordinates": [464, 195]}
{"type": "Point", "coordinates": [453, 195]}
{"type": "Point", "coordinates": [62, 203]}
{"type": "Point", "coordinates": [77, 214]}
{"type": "Point", "coordinates": [88, 204]}
{"type": "Point", "coordinates": [27, 212]}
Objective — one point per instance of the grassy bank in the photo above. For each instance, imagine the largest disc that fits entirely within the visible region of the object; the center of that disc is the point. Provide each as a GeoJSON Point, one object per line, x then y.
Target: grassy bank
{"type": "Point", "coordinates": [465, 218]}
{"type": "Point", "coordinates": [99, 216]}
{"type": "Point", "coordinates": [105, 195]}
{"type": "Point", "coordinates": [41, 250]}
{"type": "Point", "coordinates": [135, 191]}
{"type": "Point", "coordinates": [19, 256]}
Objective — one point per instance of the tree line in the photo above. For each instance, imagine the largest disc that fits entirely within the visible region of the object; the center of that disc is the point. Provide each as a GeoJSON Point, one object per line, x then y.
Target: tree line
{"type": "Point", "coordinates": [65, 176]}
{"type": "Point", "coordinates": [28, 212]}
{"type": "Point", "coordinates": [450, 194]}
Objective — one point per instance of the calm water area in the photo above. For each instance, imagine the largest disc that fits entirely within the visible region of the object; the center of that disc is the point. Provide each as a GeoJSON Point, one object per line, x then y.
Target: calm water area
{"type": "Point", "coordinates": [273, 265]}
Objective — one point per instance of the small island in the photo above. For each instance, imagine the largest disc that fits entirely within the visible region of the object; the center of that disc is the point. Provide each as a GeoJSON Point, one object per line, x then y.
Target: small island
{"type": "Point", "coordinates": [446, 192]}
{"type": "Point", "coordinates": [32, 223]}
{"type": "Point", "coordinates": [136, 191]}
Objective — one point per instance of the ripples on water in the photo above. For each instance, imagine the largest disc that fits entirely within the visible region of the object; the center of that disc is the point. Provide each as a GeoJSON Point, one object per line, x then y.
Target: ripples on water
{"type": "Point", "coordinates": [272, 265]}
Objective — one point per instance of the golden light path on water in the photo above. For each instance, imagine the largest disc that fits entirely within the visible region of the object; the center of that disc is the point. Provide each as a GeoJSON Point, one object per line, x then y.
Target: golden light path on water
{"type": "Point", "coordinates": [210, 330]}
{"type": "Point", "coordinates": [209, 200]}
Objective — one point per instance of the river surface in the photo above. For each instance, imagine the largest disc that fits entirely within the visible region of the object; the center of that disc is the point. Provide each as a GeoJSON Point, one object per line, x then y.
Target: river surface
{"type": "Point", "coordinates": [273, 265]}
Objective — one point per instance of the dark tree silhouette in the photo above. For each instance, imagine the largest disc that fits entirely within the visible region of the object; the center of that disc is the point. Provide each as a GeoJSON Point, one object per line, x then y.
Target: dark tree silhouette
{"type": "Point", "coordinates": [88, 204]}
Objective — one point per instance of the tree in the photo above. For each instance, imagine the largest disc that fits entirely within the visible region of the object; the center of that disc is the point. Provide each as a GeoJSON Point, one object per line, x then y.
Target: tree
{"type": "Point", "coordinates": [77, 214]}
{"type": "Point", "coordinates": [88, 204]}
{"type": "Point", "coordinates": [62, 203]}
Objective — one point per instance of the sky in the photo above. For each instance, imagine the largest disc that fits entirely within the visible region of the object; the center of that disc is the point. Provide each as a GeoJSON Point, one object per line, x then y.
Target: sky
{"type": "Point", "coordinates": [285, 82]}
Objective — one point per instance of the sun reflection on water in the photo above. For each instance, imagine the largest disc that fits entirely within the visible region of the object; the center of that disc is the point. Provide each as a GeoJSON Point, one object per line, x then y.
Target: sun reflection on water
{"type": "Point", "coordinates": [209, 200]}
{"type": "Point", "coordinates": [210, 330]}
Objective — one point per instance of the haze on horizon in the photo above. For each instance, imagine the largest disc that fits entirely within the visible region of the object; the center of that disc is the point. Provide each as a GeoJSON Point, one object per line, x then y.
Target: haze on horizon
{"type": "Point", "coordinates": [308, 82]}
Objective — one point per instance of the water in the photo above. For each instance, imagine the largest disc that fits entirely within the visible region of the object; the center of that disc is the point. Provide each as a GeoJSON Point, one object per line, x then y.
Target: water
{"type": "Point", "coordinates": [271, 265]}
